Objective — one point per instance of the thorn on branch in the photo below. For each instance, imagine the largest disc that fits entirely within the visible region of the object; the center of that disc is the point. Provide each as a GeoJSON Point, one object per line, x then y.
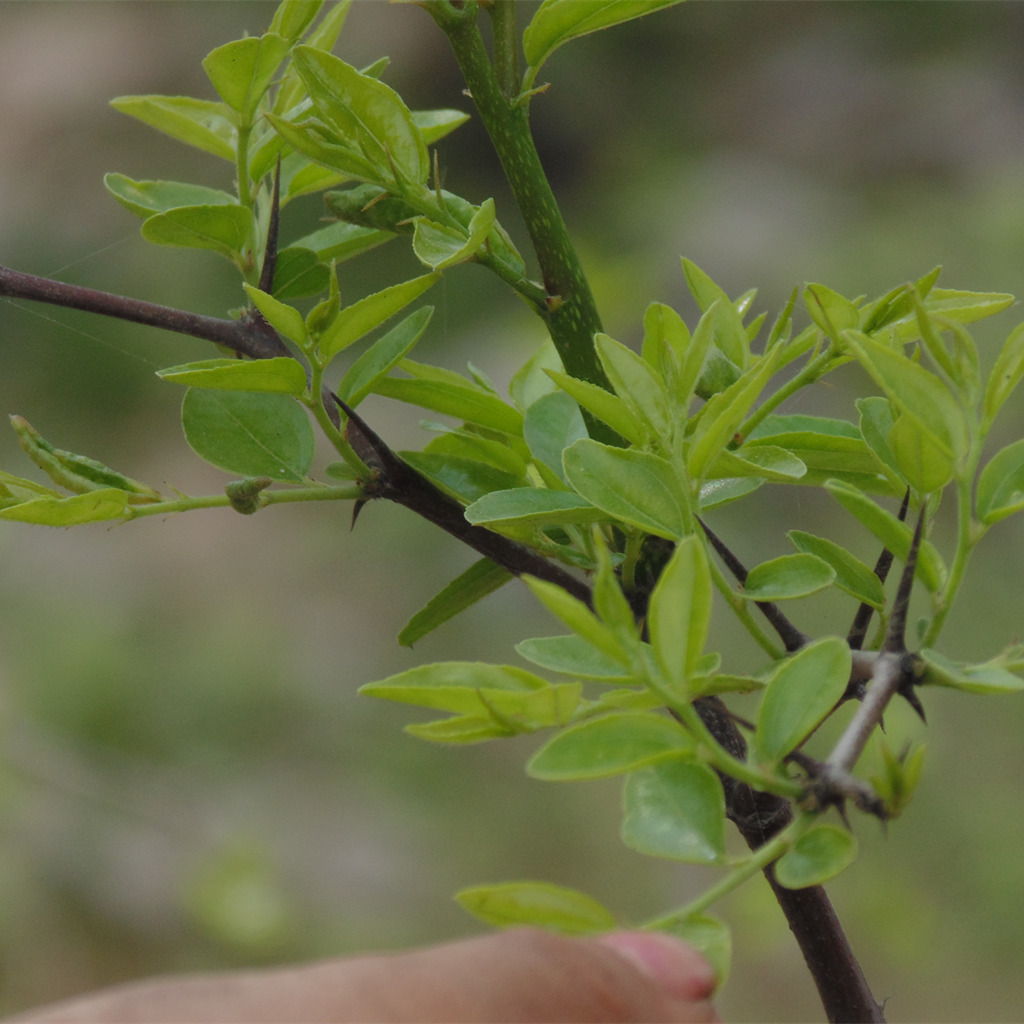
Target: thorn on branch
{"type": "Point", "coordinates": [269, 267]}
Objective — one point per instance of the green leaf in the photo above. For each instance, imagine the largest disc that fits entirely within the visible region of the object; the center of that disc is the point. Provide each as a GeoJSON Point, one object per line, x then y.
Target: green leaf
{"type": "Point", "coordinates": [830, 311]}
{"type": "Point", "coordinates": [537, 903]}
{"type": "Point", "coordinates": [248, 433]}
{"type": "Point", "coordinates": [1001, 484]}
{"type": "Point", "coordinates": [765, 461]}
{"type": "Point", "coordinates": [464, 402]}
{"type": "Point", "coordinates": [364, 111]}
{"type": "Point", "coordinates": [633, 486]}
{"type": "Point", "coordinates": [293, 17]}
{"type": "Point", "coordinates": [313, 140]}
{"type": "Point", "coordinates": [571, 655]}
{"type": "Point", "coordinates": [241, 71]}
{"type": "Point", "coordinates": [679, 614]}
{"type": "Point", "coordinates": [92, 507]}
{"type": "Point", "coordinates": [1005, 376]}
{"type": "Point", "coordinates": [894, 535]}
{"type": "Point", "coordinates": [382, 356]}
{"type": "Point", "coordinates": [281, 374]}
{"type": "Point", "coordinates": [715, 493]}
{"type": "Point", "coordinates": [466, 479]}
{"type": "Point", "coordinates": [227, 230]}
{"type": "Point", "coordinates": [800, 693]}
{"type": "Point", "coordinates": [818, 855]}
{"type": "Point", "coordinates": [557, 21]}
{"type": "Point", "coordinates": [636, 384]}
{"type": "Point", "coordinates": [285, 319]}
{"type": "Point", "coordinates": [357, 320]}
{"type": "Point", "coordinates": [148, 197]}
{"type": "Point", "coordinates": [480, 579]}
{"type": "Point", "coordinates": [603, 404]}
{"type": "Point", "coordinates": [723, 414]}
{"type": "Point", "coordinates": [434, 125]}
{"type": "Point", "coordinates": [579, 618]}
{"type": "Point", "coordinates": [439, 246]}
{"type": "Point", "coordinates": [787, 577]}
{"type": "Point", "coordinates": [876, 423]}
{"type": "Point", "coordinates": [299, 272]}
{"type": "Point", "coordinates": [729, 335]}
{"type": "Point", "coordinates": [676, 810]}
{"type": "Point", "coordinates": [851, 574]}
{"type": "Point", "coordinates": [914, 390]}
{"type": "Point", "coordinates": [610, 745]}
{"type": "Point", "coordinates": [923, 463]}
{"type": "Point", "coordinates": [550, 425]}
{"type": "Point", "coordinates": [522, 505]}
{"type": "Point", "coordinates": [204, 124]}
{"type": "Point", "coordinates": [340, 242]}
{"type": "Point", "coordinates": [456, 686]}
{"type": "Point", "coordinates": [987, 678]}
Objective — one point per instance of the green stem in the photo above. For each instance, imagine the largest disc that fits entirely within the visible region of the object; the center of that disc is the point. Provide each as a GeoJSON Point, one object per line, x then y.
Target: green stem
{"type": "Point", "coordinates": [752, 865]}
{"type": "Point", "coordinates": [347, 492]}
{"type": "Point", "coordinates": [570, 312]}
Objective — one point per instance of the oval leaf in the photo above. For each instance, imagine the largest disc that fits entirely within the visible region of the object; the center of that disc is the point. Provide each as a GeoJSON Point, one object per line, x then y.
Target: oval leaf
{"type": "Point", "coordinates": [227, 230]}
{"type": "Point", "coordinates": [249, 433]}
{"type": "Point", "coordinates": [633, 486]}
{"type": "Point", "coordinates": [818, 855]}
{"type": "Point", "coordinates": [610, 745]}
{"type": "Point", "coordinates": [787, 577]}
{"type": "Point", "coordinates": [1001, 484]}
{"type": "Point", "coordinates": [537, 903]}
{"type": "Point", "coordinates": [800, 693]}
{"type": "Point", "coordinates": [676, 810]}
{"type": "Point", "coordinates": [532, 505]}
{"type": "Point", "coordinates": [852, 575]}
{"type": "Point", "coordinates": [281, 374]}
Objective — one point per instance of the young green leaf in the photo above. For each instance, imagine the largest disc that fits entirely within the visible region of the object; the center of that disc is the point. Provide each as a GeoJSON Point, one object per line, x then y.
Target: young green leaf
{"type": "Point", "coordinates": [633, 486]}
{"type": "Point", "coordinates": [299, 272]}
{"type": "Point", "coordinates": [439, 246]}
{"type": "Point", "coordinates": [679, 613]}
{"type": "Point", "coordinates": [852, 575]}
{"type": "Point", "coordinates": [364, 110]}
{"type": "Point", "coordinates": [480, 579]}
{"type": "Point", "coordinates": [92, 507]}
{"type": "Point", "coordinates": [677, 810]}
{"type": "Point", "coordinates": [382, 356]}
{"type": "Point", "coordinates": [637, 385]}
{"type": "Point", "coordinates": [1001, 484]}
{"type": "Point", "coordinates": [800, 693]}
{"type": "Point", "coordinates": [1005, 376]}
{"type": "Point", "coordinates": [573, 656]}
{"type": "Point", "coordinates": [923, 463]}
{"type": "Point", "coordinates": [464, 402]}
{"type": "Point", "coordinates": [357, 320]}
{"type": "Point", "coordinates": [201, 123]}
{"type": "Point", "coordinates": [557, 21]}
{"type": "Point", "coordinates": [539, 904]}
{"type": "Point", "coordinates": [249, 433]}
{"type": "Point", "coordinates": [434, 125]}
{"type": "Point", "coordinates": [468, 480]}
{"type": "Point", "coordinates": [894, 534]}
{"type": "Point", "coordinates": [818, 855]}
{"type": "Point", "coordinates": [145, 198]}
{"type": "Point", "coordinates": [610, 745]}
{"type": "Point", "coordinates": [227, 230]}
{"type": "Point", "coordinates": [608, 408]}
{"type": "Point", "coordinates": [729, 335]}
{"type": "Point", "coordinates": [829, 310]}
{"type": "Point", "coordinates": [241, 71]}
{"type": "Point", "coordinates": [987, 678]}
{"type": "Point", "coordinates": [765, 461]}
{"type": "Point", "coordinates": [579, 618]}
{"type": "Point", "coordinates": [550, 425]}
{"type": "Point", "coordinates": [522, 505]}
{"type": "Point", "coordinates": [787, 577]}
{"type": "Point", "coordinates": [285, 319]}
{"type": "Point", "coordinates": [916, 391]}
{"type": "Point", "coordinates": [281, 374]}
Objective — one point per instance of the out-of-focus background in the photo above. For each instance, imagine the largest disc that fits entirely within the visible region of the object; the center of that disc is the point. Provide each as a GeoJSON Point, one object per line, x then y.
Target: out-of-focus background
{"type": "Point", "coordinates": [187, 778]}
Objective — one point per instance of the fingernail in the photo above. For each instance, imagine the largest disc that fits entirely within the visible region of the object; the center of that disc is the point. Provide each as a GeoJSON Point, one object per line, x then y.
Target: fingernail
{"type": "Point", "coordinates": [676, 967]}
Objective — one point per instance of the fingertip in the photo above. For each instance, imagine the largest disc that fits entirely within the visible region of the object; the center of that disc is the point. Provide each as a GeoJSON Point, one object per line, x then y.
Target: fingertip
{"type": "Point", "coordinates": [676, 967]}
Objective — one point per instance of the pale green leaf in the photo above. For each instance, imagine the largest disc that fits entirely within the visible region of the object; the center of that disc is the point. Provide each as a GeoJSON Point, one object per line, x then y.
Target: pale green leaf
{"type": "Point", "coordinates": [148, 197]}
{"type": "Point", "coordinates": [225, 229]}
{"type": "Point", "coordinates": [522, 505]}
{"type": "Point", "coordinates": [539, 904]}
{"type": "Point", "coordinates": [204, 124]}
{"type": "Point", "coordinates": [285, 319]}
{"type": "Point", "coordinates": [787, 577]}
{"type": "Point", "coordinates": [851, 574]}
{"type": "Point", "coordinates": [679, 613]}
{"type": "Point", "coordinates": [818, 855]}
{"type": "Point", "coordinates": [281, 374]}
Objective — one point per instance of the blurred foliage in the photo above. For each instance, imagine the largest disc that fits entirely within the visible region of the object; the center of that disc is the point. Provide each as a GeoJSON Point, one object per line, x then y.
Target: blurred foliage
{"type": "Point", "coordinates": [187, 780]}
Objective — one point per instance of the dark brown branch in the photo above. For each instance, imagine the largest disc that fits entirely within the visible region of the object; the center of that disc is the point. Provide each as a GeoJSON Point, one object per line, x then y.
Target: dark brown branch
{"type": "Point", "coordinates": [397, 481]}
{"type": "Point", "coordinates": [249, 336]}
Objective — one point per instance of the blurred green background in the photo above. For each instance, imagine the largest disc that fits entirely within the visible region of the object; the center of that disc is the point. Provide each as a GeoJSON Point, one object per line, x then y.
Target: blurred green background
{"type": "Point", "coordinates": [187, 779]}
